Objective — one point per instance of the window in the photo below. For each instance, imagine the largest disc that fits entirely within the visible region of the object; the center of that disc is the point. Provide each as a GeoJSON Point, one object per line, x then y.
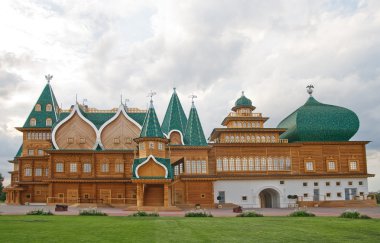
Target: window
{"type": "Point", "coordinates": [263, 163]}
{"type": "Point", "coordinates": [37, 107]}
{"type": "Point", "coordinates": [38, 172]}
{"type": "Point", "coordinates": [193, 167]}
{"type": "Point", "coordinates": [360, 183]}
{"type": "Point", "coordinates": [70, 140]}
{"type": "Point", "coordinates": [339, 194]}
{"type": "Point", "coordinates": [227, 139]}
{"type": "Point", "coordinates": [188, 167]}
{"type": "Point", "coordinates": [270, 163]}
{"type": "Point", "coordinates": [327, 183]}
{"type": "Point", "coordinates": [176, 170]}
{"type": "Point", "coordinates": [353, 165]}
{"type": "Point", "coordinates": [288, 163]}
{"type": "Point", "coordinates": [119, 168]}
{"type": "Point", "coordinates": [105, 168]}
{"type": "Point", "coordinates": [29, 135]}
{"type": "Point", "coordinates": [304, 184]}
{"type": "Point", "coordinates": [309, 166]}
{"type": "Point", "coordinates": [59, 167]}
{"type": "Point", "coordinates": [232, 164]}
{"type": "Point", "coordinates": [199, 167]}
{"type": "Point", "coordinates": [244, 164]}
{"type": "Point", "coordinates": [238, 164]}
{"type": "Point", "coordinates": [73, 167]}
{"type": "Point", "coordinates": [49, 107]}
{"type": "Point", "coordinates": [46, 171]}
{"type": "Point", "coordinates": [225, 164]}
{"type": "Point", "coordinates": [350, 183]}
{"type": "Point", "coordinates": [282, 163]}
{"type": "Point", "coordinates": [28, 172]}
{"type": "Point", "coordinates": [328, 194]}
{"type": "Point", "coordinates": [219, 165]}
{"type": "Point", "coordinates": [151, 145]}
{"type": "Point", "coordinates": [204, 167]}
{"type": "Point", "coordinates": [315, 183]}
{"type": "Point", "coordinates": [275, 163]}
{"type": "Point", "coordinates": [40, 152]}
{"type": "Point", "coordinates": [257, 163]}
{"type": "Point", "coordinates": [48, 122]}
{"type": "Point", "coordinates": [116, 140]}
{"type": "Point", "coordinates": [61, 195]}
{"type": "Point", "coordinates": [250, 164]}
{"type": "Point", "coordinates": [38, 192]}
{"type": "Point", "coordinates": [160, 146]}
{"type": "Point", "coordinates": [337, 183]}
{"type": "Point", "coordinates": [282, 182]}
{"type": "Point", "coordinates": [305, 195]}
{"type": "Point", "coordinates": [142, 146]}
{"type": "Point", "coordinates": [82, 140]}
{"type": "Point", "coordinates": [244, 198]}
{"type": "Point", "coordinates": [30, 152]}
{"type": "Point", "coordinates": [86, 196]}
{"type": "Point", "coordinates": [87, 168]}
{"type": "Point", "coordinates": [331, 166]}
{"type": "Point", "coordinates": [361, 193]}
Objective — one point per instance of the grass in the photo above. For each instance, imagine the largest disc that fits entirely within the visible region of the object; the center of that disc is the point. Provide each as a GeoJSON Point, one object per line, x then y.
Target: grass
{"type": "Point", "coordinates": [175, 229]}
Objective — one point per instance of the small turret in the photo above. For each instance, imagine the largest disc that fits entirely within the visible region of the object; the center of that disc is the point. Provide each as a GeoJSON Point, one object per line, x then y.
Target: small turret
{"type": "Point", "coordinates": [194, 135]}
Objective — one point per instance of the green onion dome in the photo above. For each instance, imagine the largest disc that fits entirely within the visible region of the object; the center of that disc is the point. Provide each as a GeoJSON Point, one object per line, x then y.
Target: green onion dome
{"type": "Point", "coordinates": [243, 102]}
{"type": "Point", "coordinates": [315, 121]}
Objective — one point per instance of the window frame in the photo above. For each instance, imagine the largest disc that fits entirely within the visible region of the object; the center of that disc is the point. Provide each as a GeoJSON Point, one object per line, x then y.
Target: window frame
{"type": "Point", "coordinates": [352, 161]}
{"type": "Point", "coordinates": [306, 162]}
{"type": "Point", "coordinates": [328, 161]}
{"type": "Point", "coordinates": [59, 167]}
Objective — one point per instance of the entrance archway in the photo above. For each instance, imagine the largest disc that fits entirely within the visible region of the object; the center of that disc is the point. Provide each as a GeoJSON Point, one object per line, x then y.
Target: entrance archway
{"type": "Point", "coordinates": [269, 198]}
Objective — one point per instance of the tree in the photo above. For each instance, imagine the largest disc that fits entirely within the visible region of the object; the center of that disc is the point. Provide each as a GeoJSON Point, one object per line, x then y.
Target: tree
{"type": "Point", "coordinates": [2, 194]}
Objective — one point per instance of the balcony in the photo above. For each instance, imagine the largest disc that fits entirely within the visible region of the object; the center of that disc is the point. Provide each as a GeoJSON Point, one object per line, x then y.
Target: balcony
{"type": "Point", "coordinates": [234, 114]}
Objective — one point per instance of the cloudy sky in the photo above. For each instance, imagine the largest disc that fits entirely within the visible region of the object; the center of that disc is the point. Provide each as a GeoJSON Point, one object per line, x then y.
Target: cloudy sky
{"type": "Point", "coordinates": [214, 49]}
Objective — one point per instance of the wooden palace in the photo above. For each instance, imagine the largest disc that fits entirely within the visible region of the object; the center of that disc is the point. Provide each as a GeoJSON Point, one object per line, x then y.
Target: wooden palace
{"type": "Point", "coordinates": [124, 156]}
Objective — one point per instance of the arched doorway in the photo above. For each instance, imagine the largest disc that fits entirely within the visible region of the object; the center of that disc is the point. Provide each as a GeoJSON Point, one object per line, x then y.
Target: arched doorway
{"type": "Point", "coordinates": [269, 198]}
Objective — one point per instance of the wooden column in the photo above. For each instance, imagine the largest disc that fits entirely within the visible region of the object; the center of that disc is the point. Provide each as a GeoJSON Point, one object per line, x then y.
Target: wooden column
{"type": "Point", "coordinates": [140, 195]}
{"type": "Point", "coordinates": [166, 195]}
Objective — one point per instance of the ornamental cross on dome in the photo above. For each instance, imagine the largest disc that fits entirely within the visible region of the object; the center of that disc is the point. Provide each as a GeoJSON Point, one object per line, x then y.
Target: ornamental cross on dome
{"type": "Point", "coordinates": [151, 94]}
{"type": "Point", "coordinates": [310, 88]}
{"type": "Point", "coordinates": [48, 77]}
{"type": "Point", "coordinates": [193, 96]}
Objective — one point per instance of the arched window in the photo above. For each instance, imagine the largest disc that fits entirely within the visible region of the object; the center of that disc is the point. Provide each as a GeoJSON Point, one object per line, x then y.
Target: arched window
{"type": "Point", "coordinates": [48, 122]}
{"type": "Point", "coordinates": [275, 163]}
{"type": "Point", "coordinates": [257, 139]}
{"type": "Point", "coordinates": [245, 164]}
{"type": "Point", "coordinates": [237, 138]}
{"type": "Point", "coordinates": [273, 139]}
{"type": "Point", "coordinates": [249, 124]}
{"type": "Point", "coordinates": [219, 164]}
{"type": "Point", "coordinates": [37, 107]}
{"type": "Point", "coordinates": [288, 163]}
{"type": "Point", "coordinates": [244, 124]}
{"type": "Point", "coordinates": [253, 139]}
{"type": "Point", "coordinates": [248, 139]}
{"type": "Point", "coordinates": [263, 139]}
{"type": "Point", "coordinates": [33, 122]}
{"type": "Point", "coordinates": [232, 139]}
{"type": "Point", "coordinates": [227, 139]}
{"type": "Point", "coordinates": [49, 107]}
{"type": "Point", "coordinates": [225, 164]}
{"type": "Point", "coordinates": [242, 139]}
{"type": "Point", "coordinates": [232, 164]}
{"type": "Point", "coordinates": [251, 163]}
{"type": "Point", "coordinates": [234, 124]}
{"type": "Point", "coordinates": [270, 163]}
{"type": "Point", "coordinates": [282, 163]}
{"type": "Point", "coordinates": [239, 124]}
{"type": "Point", "coordinates": [238, 164]}
{"type": "Point", "coordinates": [257, 163]}
{"type": "Point", "coordinates": [263, 163]}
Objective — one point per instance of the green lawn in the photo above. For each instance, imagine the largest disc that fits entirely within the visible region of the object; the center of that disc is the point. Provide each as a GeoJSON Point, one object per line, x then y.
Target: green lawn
{"type": "Point", "coordinates": [169, 229]}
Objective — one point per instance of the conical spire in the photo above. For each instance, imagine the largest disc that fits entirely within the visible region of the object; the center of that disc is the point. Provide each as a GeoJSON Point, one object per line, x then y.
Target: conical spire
{"type": "Point", "coordinates": [194, 135]}
{"type": "Point", "coordinates": [151, 127]}
{"type": "Point", "coordinates": [46, 107]}
{"type": "Point", "coordinates": [175, 117]}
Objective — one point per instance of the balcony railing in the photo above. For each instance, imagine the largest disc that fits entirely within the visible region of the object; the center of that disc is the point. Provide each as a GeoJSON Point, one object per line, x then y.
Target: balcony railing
{"type": "Point", "coordinates": [234, 114]}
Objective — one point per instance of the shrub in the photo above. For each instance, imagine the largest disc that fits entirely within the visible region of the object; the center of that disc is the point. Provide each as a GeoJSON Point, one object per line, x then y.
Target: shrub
{"type": "Point", "coordinates": [301, 213]}
{"type": "Point", "coordinates": [353, 214]}
{"type": "Point", "coordinates": [198, 214]}
{"type": "Point", "coordinates": [39, 212]}
{"type": "Point", "coordinates": [250, 214]}
{"type": "Point", "coordinates": [292, 197]}
{"type": "Point", "coordinates": [145, 214]}
{"type": "Point", "coordinates": [350, 214]}
{"type": "Point", "coordinates": [91, 212]}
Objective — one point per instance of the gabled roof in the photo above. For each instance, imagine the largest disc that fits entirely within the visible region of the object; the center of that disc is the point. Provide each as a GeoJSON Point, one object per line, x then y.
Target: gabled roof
{"type": "Point", "coordinates": [175, 118]}
{"type": "Point", "coordinates": [194, 135]}
{"type": "Point", "coordinates": [19, 152]}
{"type": "Point", "coordinates": [47, 97]}
{"type": "Point", "coordinates": [151, 127]}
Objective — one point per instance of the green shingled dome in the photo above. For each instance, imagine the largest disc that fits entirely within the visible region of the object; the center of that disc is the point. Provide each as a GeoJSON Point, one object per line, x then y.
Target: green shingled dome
{"type": "Point", "coordinates": [243, 102]}
{"type": "Point", "coordinates": [175, 118]}
{"type": "Point", "coordinates": [315, 121]}
{"type": "Point", "coordinates": [194, 135]}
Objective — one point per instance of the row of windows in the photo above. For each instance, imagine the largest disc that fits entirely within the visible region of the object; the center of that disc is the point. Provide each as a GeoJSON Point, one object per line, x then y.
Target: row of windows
{"type": "Point", "coordinates": [331, 165]}
{"type": "Point", "coordinates": [38, 135]}
{"type": "Point", "coordinates": [249, 139]}
{"type": "Point", "coordinates": [87, 167]}
{"type": "Point", "coordinates": [160, 146]}
{"type": "Point", "coordinates": [253, 164]}
{"type": "Point", "coordinates": [247, 124]}
{"type": "Point", "coordinates": [337, 183]}
{"type": "Point", "coordinates": [37, 172]}
{"type": "Point", "coordinates": [31, 152]}
{"type": "Point", "coordinates": [178, 169]}
{"type": "Point", "coordinates": [48, 107]}
{"type": "Point", "coordinates": [196, 167]}
{"type": "Point", "coordinates": [48, 122]}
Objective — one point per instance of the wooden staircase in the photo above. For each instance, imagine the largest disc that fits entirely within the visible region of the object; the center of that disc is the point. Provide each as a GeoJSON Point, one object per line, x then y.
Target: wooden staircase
{"type": "Point", "coordinates": [154, 195]}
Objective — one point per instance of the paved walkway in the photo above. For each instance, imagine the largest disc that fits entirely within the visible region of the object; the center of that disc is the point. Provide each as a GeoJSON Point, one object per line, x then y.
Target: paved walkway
{"type": "Point", "coordinates": [21, 210]}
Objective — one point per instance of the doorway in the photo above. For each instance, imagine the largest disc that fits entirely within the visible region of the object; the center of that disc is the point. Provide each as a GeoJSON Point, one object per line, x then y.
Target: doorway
{"type": "Point", "coordinates": [269, 198]}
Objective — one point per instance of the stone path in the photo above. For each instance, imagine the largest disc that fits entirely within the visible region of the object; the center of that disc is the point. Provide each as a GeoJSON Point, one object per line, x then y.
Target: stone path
{"type": "Point", "coordinates": [22, 210]}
